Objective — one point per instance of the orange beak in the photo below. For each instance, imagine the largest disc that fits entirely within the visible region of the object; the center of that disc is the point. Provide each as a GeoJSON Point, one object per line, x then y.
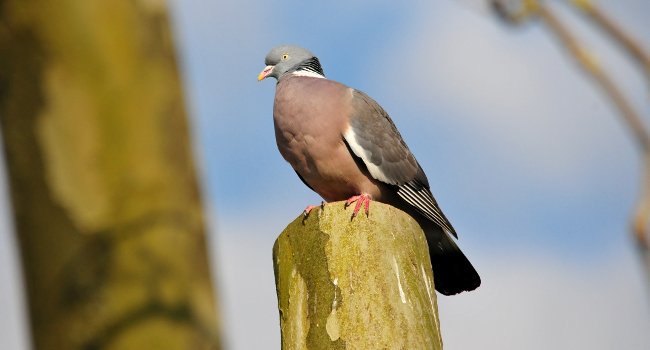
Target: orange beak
{"type": "Point", "coordinates": [265, 73]}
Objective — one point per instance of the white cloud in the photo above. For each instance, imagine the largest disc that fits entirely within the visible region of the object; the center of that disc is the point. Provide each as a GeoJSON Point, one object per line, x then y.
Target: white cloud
{"type": "Point", "coordinates": [540, 302]}
{"type": "Point", "coordinates": [244, 273]}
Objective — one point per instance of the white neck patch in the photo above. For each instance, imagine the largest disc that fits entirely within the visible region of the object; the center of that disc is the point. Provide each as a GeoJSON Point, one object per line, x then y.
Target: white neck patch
{"type": "Point", "coordinates": [306, 73]}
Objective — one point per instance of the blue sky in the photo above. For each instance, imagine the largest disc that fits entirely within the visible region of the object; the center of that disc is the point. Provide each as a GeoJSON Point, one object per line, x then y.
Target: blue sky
{"type": "Point", "coordinates": [524, 154]}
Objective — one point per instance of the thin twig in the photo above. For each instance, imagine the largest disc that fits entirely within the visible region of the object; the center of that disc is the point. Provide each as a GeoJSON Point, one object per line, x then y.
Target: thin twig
{"type": "Point", "coordinates": [600, 18]}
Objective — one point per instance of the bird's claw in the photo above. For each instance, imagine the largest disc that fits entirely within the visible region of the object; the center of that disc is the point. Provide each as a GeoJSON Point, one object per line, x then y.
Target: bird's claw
{"type": "Point", "coordinates": [309, 208]}
{"type": "Point", "coordinates": [362, 200]}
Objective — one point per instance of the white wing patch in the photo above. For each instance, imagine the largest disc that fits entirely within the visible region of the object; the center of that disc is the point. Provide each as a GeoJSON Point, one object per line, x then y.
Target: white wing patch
{"type": "Point", "coordinates": [359, 151]}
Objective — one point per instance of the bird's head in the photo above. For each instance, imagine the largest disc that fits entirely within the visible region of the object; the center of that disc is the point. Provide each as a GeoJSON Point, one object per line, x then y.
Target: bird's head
{"type": "Point", "coordinates": [287, 59]}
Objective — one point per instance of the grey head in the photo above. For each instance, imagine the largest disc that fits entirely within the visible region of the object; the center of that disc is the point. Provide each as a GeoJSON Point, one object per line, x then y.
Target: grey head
{"type": "Point", "coordinates": [287, 59]}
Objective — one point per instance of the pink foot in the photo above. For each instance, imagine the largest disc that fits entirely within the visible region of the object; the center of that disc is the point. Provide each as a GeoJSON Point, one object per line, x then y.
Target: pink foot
{"type": "Point", "coordinates": [312, 207]}
{"type": "Point", "coordinates": [362, 199]}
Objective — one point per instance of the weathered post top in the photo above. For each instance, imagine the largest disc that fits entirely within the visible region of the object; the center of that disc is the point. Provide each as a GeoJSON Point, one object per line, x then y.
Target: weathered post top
{"type": "Point", "coordinates": [364, 283]}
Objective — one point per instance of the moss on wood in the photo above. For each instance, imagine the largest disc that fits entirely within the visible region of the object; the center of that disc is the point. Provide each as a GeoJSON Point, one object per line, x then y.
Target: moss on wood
{"type": "Point", "coordinates": [355, 284]}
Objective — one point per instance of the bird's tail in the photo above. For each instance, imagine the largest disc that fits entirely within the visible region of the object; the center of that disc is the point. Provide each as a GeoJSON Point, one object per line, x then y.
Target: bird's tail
{"type": "Point", "coordinates": [452, 271]}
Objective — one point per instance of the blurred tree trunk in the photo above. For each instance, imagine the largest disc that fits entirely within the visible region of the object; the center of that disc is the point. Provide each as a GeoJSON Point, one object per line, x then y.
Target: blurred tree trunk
{"type": "Point", "coordinates": [103, 185]}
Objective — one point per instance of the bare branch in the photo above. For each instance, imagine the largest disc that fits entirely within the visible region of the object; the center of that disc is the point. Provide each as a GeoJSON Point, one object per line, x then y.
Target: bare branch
{"type": "Point", "coordinates": [518, 11]}
{"type": "Point", "coordinates": [627, 42]}
{"type": "Point", "coordinates": [630, 117]}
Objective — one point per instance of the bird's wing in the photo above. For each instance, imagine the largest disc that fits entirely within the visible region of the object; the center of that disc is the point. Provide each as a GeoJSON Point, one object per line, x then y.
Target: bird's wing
{"type": "Point", "coordinates": [373, 138]}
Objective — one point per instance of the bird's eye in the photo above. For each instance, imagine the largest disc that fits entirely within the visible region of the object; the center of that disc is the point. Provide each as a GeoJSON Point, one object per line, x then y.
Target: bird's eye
{"type": "Point", "coordinates": [285, 56]}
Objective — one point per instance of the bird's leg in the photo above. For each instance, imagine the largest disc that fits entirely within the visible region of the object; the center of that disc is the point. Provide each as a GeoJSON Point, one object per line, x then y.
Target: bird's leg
{"type": "Point", "coordinates": [312, 207]}
{"type": "Point", "coordinates": [362, 199]}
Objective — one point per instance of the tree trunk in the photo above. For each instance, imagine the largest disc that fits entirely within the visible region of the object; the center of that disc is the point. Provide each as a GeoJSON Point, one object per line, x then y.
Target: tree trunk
{"type": "Point", "coordinates": [102, 182]}
{"type": "Point", "coordinates": [364, 283]}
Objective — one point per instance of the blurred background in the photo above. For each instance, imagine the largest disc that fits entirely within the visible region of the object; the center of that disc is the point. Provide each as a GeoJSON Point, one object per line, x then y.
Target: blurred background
{"type": "Point", "coordinates": [527, 158]}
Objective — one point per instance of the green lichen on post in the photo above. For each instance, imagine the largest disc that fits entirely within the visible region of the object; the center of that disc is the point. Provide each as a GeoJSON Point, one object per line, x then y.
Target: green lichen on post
{"type": "Point", "coordinates": [355, 284]}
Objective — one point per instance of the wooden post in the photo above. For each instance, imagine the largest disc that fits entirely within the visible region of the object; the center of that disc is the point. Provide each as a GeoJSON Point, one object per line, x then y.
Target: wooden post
{"type": "Point", "coordinates": [355, 284]}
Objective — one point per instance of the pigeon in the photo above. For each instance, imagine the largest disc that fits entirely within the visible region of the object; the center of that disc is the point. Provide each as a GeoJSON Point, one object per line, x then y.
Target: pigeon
{"type": "Point", "coordinates": [344, 146]}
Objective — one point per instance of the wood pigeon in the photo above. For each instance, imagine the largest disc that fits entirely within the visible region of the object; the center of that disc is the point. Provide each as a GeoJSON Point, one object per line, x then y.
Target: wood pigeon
{"type": "Point", "coordinates": [344, 146]}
